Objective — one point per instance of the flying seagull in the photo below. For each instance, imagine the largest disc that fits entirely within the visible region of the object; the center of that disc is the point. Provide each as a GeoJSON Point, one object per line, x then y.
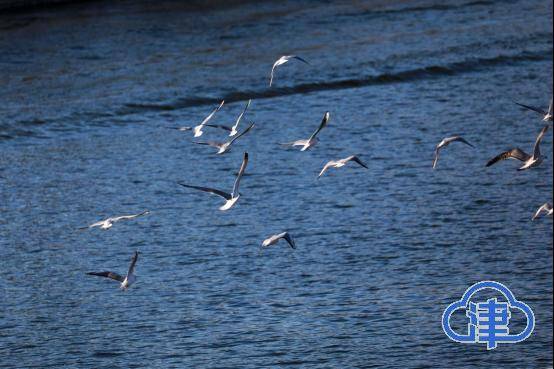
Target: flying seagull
{"type": "Point", "coordinates": [445, 142]}
{"type": "Point", "coordinates": [529, 161]}
{"type": "Point", "coordinates": [230, 198]}
{"type": "Point", "coordinates": [276, 237]}
{"type": "Point", "coordinates": [225, 146]}
{"type": "Point", "coordinates": [546, 208]}
{"type": "Point", "coordinates": [306, 144]}
{"type": "Point", "coordinates": [198, 129]}
{"type": "Point", "coordinates": [282, 60]}
{"type": "Point", "coordinates": [126, 281]}
{"type": "Point", "coordinates": [341, 163]}
{"type": "Point", "coordinates": [108, 223]}
{"type": "Point", "coordinates": [547, 115]}
{"type": "Point", "coordinates": [234, 128]}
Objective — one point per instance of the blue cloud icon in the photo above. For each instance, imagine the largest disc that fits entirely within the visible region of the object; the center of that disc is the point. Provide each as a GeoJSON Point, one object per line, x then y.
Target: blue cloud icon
{"type": "Point", "coordinates": [479, 328]}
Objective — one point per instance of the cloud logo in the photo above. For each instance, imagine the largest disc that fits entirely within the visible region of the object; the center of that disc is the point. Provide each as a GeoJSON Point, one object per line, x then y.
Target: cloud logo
{"type": "Point", "coordinates": [488, 321]}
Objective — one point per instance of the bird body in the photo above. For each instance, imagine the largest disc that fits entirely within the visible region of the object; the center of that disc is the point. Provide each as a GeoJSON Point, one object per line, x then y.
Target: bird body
{"type": "Point", "coordinates": [198, 129]}
{"type": "Point", "coordinates": [341, 163]}
{"type": "Point", "coordinates": [277, 237]}
{"type": "Point", "coordinates": [282, 60]}
{"type": "Point", "coordinates": [230, 198]}
{"type": "Point", "coordinates": [445, 142]}
{"type": "Point", "coordinates": [126, 281]}
{"type": "Point", "coordinates": [108, 223]}
{"type": "Point", "coordinates": [529, 161]}
{"type": "Point", "coordinates": [312, 140]}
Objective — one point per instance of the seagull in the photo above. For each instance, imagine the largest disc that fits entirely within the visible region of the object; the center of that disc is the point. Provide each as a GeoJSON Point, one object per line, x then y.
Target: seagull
{"type": "Point", "coordinates": [546, 208]}
{"type": "Point", "coordinates": [547, 115]}
{"type": "Point", "coordinates": [445, 142]}
{"type": "Point", "coordinates": [108, 223]}
{"type": "Point", "coordinates": [276, 237]}
{"type": "Point", "coordinates": [234, 130]}
{"type": "Point", "coordinates": [341, 163]}
{"type": "Point", "coordinates": [282, 60]}
{"type": "Point", "coordinates": [306, 144]}
{"type": "Point", "coordinates": [230, 198]}
{"type": "Point", "coordinates": [225, 146]}
{"type": "Point", "coordinates": [529, 161]}
{"type": "Point", "coordinates": [198, 129]}
{"type": "Point", "coordinates": [126, 281]}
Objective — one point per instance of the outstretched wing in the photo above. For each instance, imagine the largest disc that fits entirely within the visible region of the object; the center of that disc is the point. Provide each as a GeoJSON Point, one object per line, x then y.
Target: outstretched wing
{"type": "Point", "coordinates": [235, 126]}
{"type": "Point", "coordinates": [221, 126]}
{"type": "Point", "coordinates": [110, 275]}
{"type": "Point", "coordinates": [354, 158]}
{"type": "Point", "coordinates": [437, 149]}
{"type": "Point", "coordinates": [241, 134]}
{"type": "Point", "coordinates": [212, 114]}
{"type": "Point", "coordinates": [209, 143]}
{"type": "Point", "coordinates": [461, 139]}
{"type": "Point", "coordinates": [125, 217]}
{"type": "Point", "coordinates": [225, 195]}
{"type": "Point", "coordinates": [325, 167]}
{"type": "Point", "coordinates": [298, 58]}
{"type": "Point", "coordinates": [287, 237]}
{"type": "Point", "coordinates": [538, 110]}
{"type": "Point", "coordinates": [321, 125]}
{"type": "Point", "coordinates": [133, 262]}
{"type": "Point", "coordinates": [516, 153]}
{"type": "Point", "coordinates": [537, 148]}
{"type": "Point", "coordinates": [239, 175]}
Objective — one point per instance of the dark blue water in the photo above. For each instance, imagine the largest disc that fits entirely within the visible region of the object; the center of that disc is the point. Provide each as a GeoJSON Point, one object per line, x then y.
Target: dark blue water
{"type": "Point", "coordinates": [87, 91]}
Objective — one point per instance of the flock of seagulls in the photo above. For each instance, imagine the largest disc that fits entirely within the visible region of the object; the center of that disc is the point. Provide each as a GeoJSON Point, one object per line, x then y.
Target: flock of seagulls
{"type": "Point", "coordinates": [529, 161]}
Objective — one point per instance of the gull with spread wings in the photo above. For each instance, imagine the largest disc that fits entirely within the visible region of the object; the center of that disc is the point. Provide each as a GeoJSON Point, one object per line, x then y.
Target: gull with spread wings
{"type": "Point", "coordinates": [223, 147]}
{"type": "Point", "coordinates": [108, 223]}
{"type": "Point", "coordinates": [282, 60]}
{"type": "Point", "coordinates": [230, 198]}
{"type": "Point", "coordinates": [529, 161]}
{"type": "Point", "coordinates": [341, 163]}
{"type": "Point", "coordinates": [312, 140]}
{"type": "Point", "coordinates": [276, 237]}
{"type": "Point", "coordinates": [198, 129]}
{"type": "Point", "coordinates": [445, 142]}
{"type": "Point", "coordinates": [126, 281]}
{"type": "Point", "coordinates": [547, 115]}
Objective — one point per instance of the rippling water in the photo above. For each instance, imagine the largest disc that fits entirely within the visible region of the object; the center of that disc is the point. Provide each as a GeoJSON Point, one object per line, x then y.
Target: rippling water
{"type": "Point", "coordinates": [88, 91]}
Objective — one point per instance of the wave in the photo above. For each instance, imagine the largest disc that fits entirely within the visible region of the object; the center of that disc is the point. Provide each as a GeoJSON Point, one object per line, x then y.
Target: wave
{"type": "Point", "coordinates": [428, 72]}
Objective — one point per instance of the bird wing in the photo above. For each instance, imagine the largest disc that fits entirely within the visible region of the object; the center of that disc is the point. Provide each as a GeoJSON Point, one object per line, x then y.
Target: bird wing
{"type": "Point", "coordinates": [241, 114]}
{"type": "Point", "coordinates": [461, 139]}
{"type": "Point", "coordinates": [299, 58]}
{"type": "Point", "coordinates": [134, 259]}
{"type": "Point", "coordinates": [272, 71]}
{"type": "Point", "coordinates": [550, 107]}
{"type": "Point", "coordinates": [225, 195]}
{"type": "Point", "coordinates": [212, 114]}
{"type": "Point", "coordinates": [437, 149]}
{"type": "Point", "coordinates": [538, 110]}
{"type": "Point", "coordinates": [110, 275]}
{"type": "Point", "coordinates": [321, 125]}
{"type": "Point", "coordinates": [516, 153]}
{"type": "Point", "coordinates": [537, 148]}
{"type": "Point", "coordinates": [239, 175]}
{"type": "Point", "coordinates": [186, 128]}
{"type": "Point", "coordinates": [287, 237]}
{"type": "Point", "coordinates": [295, 143]}
{"type": "Point", "coordinates": [125, 217]}
{"type": "Point", "coordinates": [325, 167]}
{"type": "Point", "coordinates": [209, 143]}
{"type": "Point", "coordinates": [241, 134]}
{"type": "Point", "coordinates": [357, 160]}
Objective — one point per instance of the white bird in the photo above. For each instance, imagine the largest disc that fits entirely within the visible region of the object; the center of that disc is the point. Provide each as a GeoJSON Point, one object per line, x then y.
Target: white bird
{"type": "Point", "coordinates": [223, 147]}
{"type": "Point", "coordinates": [234, 128]}
{"type": "Point", "coordinates": [230, 198]}
{"type": "Point", "coordinates": [126, 281]}
{"type": "Point", "coordinates": [341, 163]}
{"type": "Point", "coordinates": [282, 60]}
{"type": "Point", "coordinates": [198, 129]}
{"type": "Point", "coordinates": [546, 208]}
{"type": "Point", "coordinates": [306, 144]}
{"type": "Point", "coordinates": [275, 238]}
{"type": "Point", "coordinates": [529, 161]}
{"type": "Point", "coordinates": [547, 115]}
{"type": "Point", "coordinates": [108, 223]}
{"type": "Point", "coordinates": [445, 142]}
